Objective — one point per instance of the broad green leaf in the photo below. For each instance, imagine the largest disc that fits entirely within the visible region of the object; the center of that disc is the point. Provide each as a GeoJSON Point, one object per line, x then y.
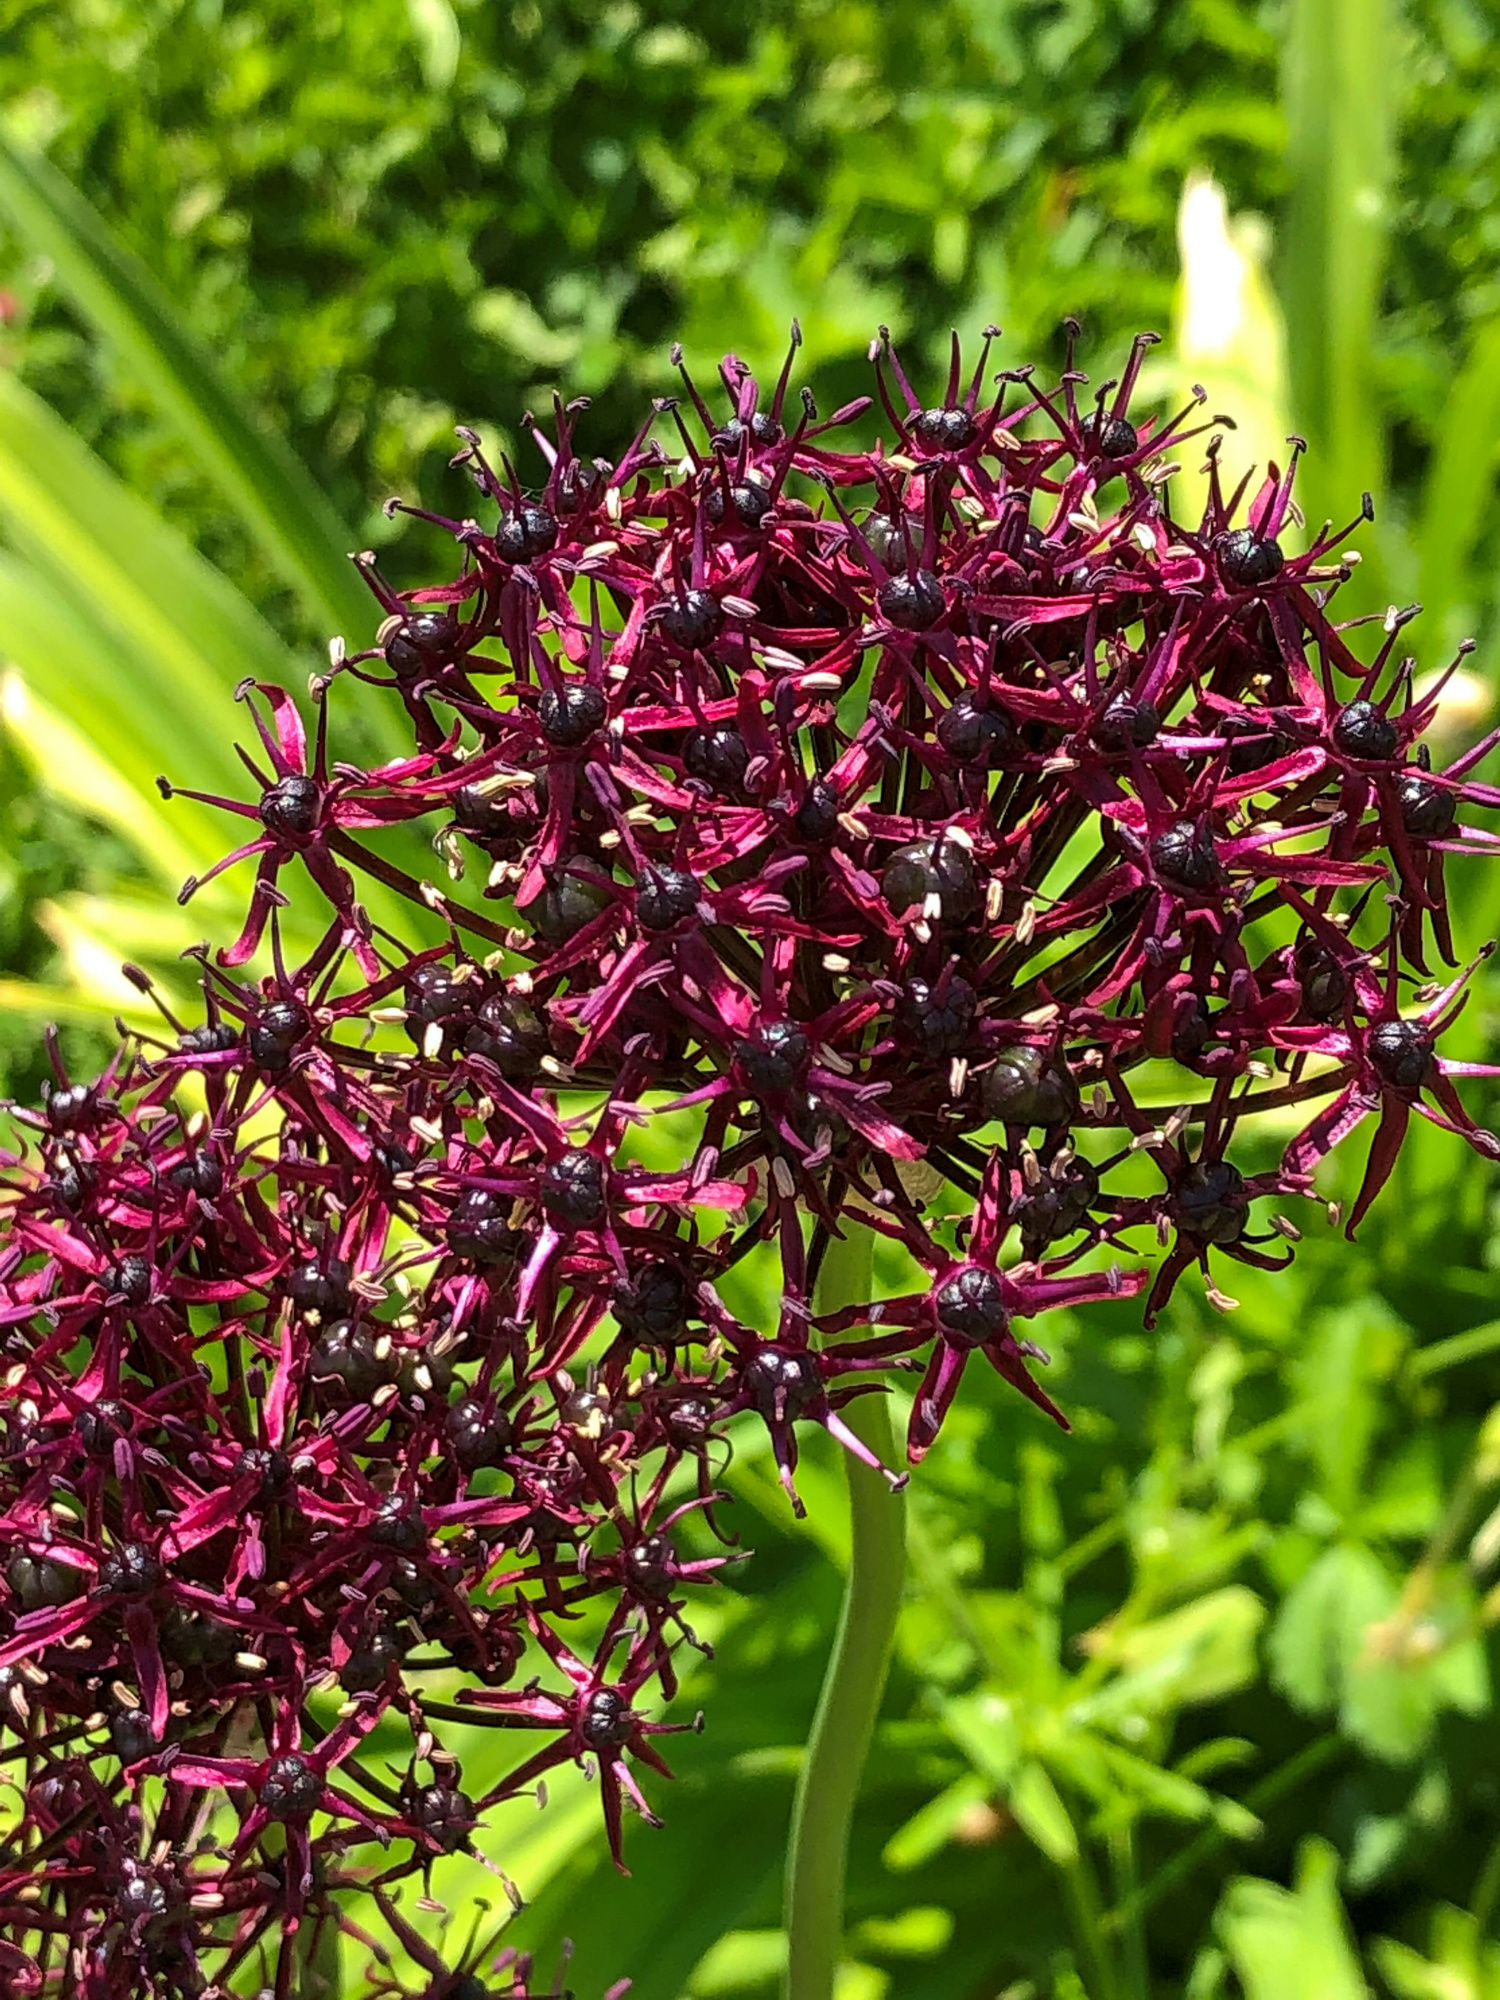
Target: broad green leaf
{"type": "Point", "coordinates": [1320, 1630]}
{"type": "Point", "coordinates": [259, 477]}
{"type": "Point", "coordinates": [1205, 1650]}
{"type": "Point", "coordinates": [94, 935]}
{"type": "Point", "coordinates": [1227, 335]}
{"type": "Point", "coordinates": [68, 763]}
{"type": "Point", "coordinates": [1337, 1375]}
{"type": "Point", "coordinates": [93, 678]}
{"type": "Point", "coordinates": [187, 637]}
{"type": "Point", "coordinates": [1331, 1647]}
{"type": "Point", "coordinates": [692, 1880]}
{"type": "Point", "coordinates": [1292, 1944]}
{"type": "Point", "coordinates": [62, 1003]}
{"type": "Point", "coordinates": [1460, 479]}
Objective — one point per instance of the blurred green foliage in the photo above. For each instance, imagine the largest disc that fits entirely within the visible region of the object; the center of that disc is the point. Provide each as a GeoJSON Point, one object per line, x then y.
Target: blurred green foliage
{"type": "Point", "coordinates": [1200, 1700]}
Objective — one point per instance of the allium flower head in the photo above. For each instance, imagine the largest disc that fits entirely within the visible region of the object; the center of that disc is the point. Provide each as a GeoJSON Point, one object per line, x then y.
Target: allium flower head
{"type": "Point", "coordinates": [928, 821]}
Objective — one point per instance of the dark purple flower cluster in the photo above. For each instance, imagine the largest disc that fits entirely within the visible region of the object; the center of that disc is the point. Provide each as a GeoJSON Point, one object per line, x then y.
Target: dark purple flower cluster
{"type": "Point", "coordinates": [940, 815]}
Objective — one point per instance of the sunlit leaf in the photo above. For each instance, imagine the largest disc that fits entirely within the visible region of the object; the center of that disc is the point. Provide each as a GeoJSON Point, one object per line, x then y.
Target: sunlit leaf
{"type": "Point", "coordinates": [1339, 90]}
{"type": "Point", "coordinates": [186, 637]}
{"type": "Point", "coordinates": [261, 480]}
{"type": "Point", "coordinates": [1292, 1944]}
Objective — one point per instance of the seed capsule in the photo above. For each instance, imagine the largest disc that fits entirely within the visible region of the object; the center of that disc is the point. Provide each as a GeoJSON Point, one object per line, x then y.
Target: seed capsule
{"type": "Point", "coordinates": [1026, 1087]}
{"type": "Point", "coordinates": [195, 1638]}
{"type": "Point", "coordinates": [1184, 855]}
{"type": "Point", "coordinates": [510, 1035]}
{"type": "Point", "coordinates": [652, 1304]}
{"type": "Point", "coordinates": [130, 1280]}
{"type": "Point", "coordinates": [1125, 723]}
{"type": "Point", "coordinates": [651, 1566]}
{"type": "Point", "coordinates": [1210, 1203]}
{"type": "Point", "coordinates": [749, 504]}
{"type": "Point", "coordinates": [477, 1436]}
{"type": "Point", "coordinates": [572, 1189]}
{"type": "Point", "coordinates": [912, 603]}
{"type": "Point", "coordinates": [692, 621]}
{"type": "Point", "coordinates": [72, 1108]}
{"type": "Point", "coordinates": [397, 1524]}
{"type": "Point", "coordinates": [479, 1227]}
{"type": "Point", "coordinates": [1114, 437]}
{"type": "Point", "coordinates": [719, 756]}
{"type": "Point", "coordinates": [369, 1667]}
{"type": "Point", "coordinates": [275, 1034]}
{"type": "Point", "coordinates": [570, 715]}
{"type": "Point", "coordinates": [131, 1735]}
{"type": "Point", "coordinates": [1058, 1205]}
{"type": "Point", "coordinates": [664, 896]}
{"type": "Point", "coordinates": [1254, 741]}
{"type": "Point", "coordinates": [689, 1421]}
{"type": "Point", "coordinates": [771, 1057]}
{"type": "Point", "coordinates": [199, 1174]}
{"type": "Point", "coordinates": [1324, 983]}
{"type": "Point", "coordinates": [73, 1181]}
{"type": "Point", "coordinates": [948, 429]}
{"type": "Point", "coordinates": [212, 1038]}
{"type": "Point", "coordinates": [291, 807]}
{"type": "Point", "coordinates": [1402, 1053]}
{"type": "Point", "coordinates": [817, 818]}
{"type": "Point", "coordinates": [1360, 730]}
{"type": "Point", "coordinates": [1428, 811]}
{"type": "Point", "coordinates": [972, 1305]}
{"type": "Point", "coordinates": [762, 429]}
{"type": "Point", "coordinates": [938, 1025]}
{"type": "Point", "coordinates": [776, 1376]}
{"type": "Point", "coordinates": [1247, 560]}
{"type": "Point", "coordinates": [527, 533]}
{"type": "Point", "coordinates": [483, 816]}
{"type": "Point", "coordinates": [39, 1583]}
{"type": "Point", "coordinates": [943, 868]}
{"type": "Point", "coordinates": [1192, 1030]}
{"type": "Point", "coordinates": [343, 1357]}
{"type": "Point", "coordinates": [101, 1424]}
{"type": "Point", "coordinates": [319, 1287]}
{"type": "Point", "coordinates": [446, 1815]}
{"type": "Point", "coordinates": [290, 1788]}
{"type": "Point", "coordinates": [422, 641]}
{"type": "Point", "coordinates": [972, 734]}
{"type": "Point", "coordinates": [586, 1413]}
{"type": "Point", "coordinates": [607, 1721]}
{"type": "Point", "coordinates": [131, 1570]}
{"type": "Point", "coordinates": [270, 1467]}
{"type": "Point", "coordinates": [567, 902]}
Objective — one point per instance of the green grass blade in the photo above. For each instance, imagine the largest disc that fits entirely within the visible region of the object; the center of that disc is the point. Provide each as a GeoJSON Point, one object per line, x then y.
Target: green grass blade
{"type": "Point", "coordinates": [292, 522]}
{"type": "Point", "coordinates": [1338, 84]}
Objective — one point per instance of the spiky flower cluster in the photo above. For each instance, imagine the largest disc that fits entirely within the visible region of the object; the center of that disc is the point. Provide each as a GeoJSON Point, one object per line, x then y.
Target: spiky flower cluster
{"type": "Point", "coordinates": [832, 836]}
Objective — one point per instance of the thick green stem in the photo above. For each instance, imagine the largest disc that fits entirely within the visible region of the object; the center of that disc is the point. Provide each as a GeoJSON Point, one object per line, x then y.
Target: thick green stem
{"type": "Point", "coordinates": [852, 1686]}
